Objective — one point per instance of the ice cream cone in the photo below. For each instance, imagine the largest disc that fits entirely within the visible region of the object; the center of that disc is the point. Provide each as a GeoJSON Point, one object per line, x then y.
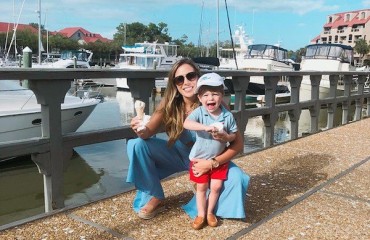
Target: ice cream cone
{"type": "Point", "coordinates": [139, 107]}
{"type": "Point", "coordinates": [219, 126]}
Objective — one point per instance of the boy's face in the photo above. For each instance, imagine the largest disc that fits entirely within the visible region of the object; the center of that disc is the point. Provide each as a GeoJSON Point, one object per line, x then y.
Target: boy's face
{"type": "Point", "coordinates": [210, 99]}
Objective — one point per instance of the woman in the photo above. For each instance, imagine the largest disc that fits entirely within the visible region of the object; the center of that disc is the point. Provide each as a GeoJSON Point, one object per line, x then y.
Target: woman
{"type": "Point", "coordinates": [152, 159]}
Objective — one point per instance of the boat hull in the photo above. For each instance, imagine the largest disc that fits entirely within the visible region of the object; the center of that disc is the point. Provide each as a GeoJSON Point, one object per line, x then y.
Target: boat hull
{"type": "Point", "coordinates": [20, 114]}
{"type": "Point", "coordinates": [28, 124]}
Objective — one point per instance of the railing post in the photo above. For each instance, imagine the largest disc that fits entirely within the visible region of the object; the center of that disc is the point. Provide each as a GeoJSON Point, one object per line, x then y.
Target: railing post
{"type": "Point", "coordinates": [141, 89]}
{"type": "Point", "coordinates": [50, 94]}
{"type": "Point", "coordinates": [359, 101]}
{"type": "Point", "coordinates": [295, 113]}
{"type": "Point", "coordinates": [315, 97]}
{"type": "Point", "coordinates": [347, 93]}
{"type": "Point", "coordinates": [240, 87]}
{"type": "Point", "coordinates": [332, 94]}
{"type": "Point", "coordinates": [270, 119]}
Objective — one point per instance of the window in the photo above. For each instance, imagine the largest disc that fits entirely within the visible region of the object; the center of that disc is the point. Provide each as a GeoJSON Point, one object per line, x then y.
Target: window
{"type": "Point", "coordinates": [348, 17]}
{"type": "Point", "coordinates": [362, 15]}
{"type": "Point", "coordinates": [330, 19]}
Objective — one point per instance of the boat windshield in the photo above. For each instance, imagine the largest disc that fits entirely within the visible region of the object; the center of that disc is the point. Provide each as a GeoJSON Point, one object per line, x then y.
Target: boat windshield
{"type": "Point", "coordinates": [266, 51]}
{"type": "Point", "coordinates": [327, 51]}
{"type": "Point", "coordinates": [146, 62]}
{"type": "Point", "coordinates": [80, 55]}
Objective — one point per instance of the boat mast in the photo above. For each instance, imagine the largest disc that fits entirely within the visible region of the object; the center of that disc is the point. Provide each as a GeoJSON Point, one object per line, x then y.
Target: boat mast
{"type": "Point", "coordinates": [15, 26]}
{"type": "Point", "coordinates": [218, 30]}
{"type": "Point", "coordinates": [39, 13]}
{"type": "Point", "coordinates": [231, 36]}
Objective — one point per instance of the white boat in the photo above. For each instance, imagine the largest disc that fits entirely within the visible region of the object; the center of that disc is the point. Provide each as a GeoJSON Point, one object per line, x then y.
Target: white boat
{"type": "Point", "coordinates": [227, 60]}
{"type": "Point", "coordinates": [68, 59]}
{"type": "Point", "coordinates": [326, 57]}
{"type": "Point", "coordinates": [260, 57]}
{"type": "Point", "coordinates": [147, 56]}
{"type": "Point", "coordinates": [20, 114]}
{"type": "Point", "coordinates": [257, 57]}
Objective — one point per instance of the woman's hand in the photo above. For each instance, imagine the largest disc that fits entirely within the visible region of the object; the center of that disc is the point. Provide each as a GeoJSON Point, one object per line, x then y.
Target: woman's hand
{"type": "Point", "coordinates": [136, 125]}
{"type": "Point", "coordinates": [201, 166]}
{"type": "Point", "coordinates": [220, 136]}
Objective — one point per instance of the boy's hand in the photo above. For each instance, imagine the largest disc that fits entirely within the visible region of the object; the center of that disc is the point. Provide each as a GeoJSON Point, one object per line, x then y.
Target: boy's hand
{"type": "Point", "coordinates": [220, 136]}
{"type": "Point", "coordinates": [210, 129]}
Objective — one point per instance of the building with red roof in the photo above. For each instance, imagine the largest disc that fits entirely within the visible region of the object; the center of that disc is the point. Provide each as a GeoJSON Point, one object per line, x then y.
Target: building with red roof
{"type": "Point", "coordinates": [77, 33]}
{"type": "Point", "coordinates": [8, 27]}
{"type": "Point", "coordinates": [345, 28]}
{"type": "Point", "coordinates": [82, 35]}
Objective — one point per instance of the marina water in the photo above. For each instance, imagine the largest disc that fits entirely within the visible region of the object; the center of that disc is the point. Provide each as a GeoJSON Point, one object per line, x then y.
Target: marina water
{"type": "Point", "coordinates": [99, 170]}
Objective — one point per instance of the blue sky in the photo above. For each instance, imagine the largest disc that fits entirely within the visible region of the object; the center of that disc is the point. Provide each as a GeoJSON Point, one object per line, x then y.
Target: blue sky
{"type": "Point", "coordinates": [293, 23]}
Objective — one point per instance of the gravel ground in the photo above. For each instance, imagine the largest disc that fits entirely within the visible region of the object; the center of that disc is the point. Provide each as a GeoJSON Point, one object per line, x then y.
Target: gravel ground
{"type": "Point", "coordinates": [312, 188]}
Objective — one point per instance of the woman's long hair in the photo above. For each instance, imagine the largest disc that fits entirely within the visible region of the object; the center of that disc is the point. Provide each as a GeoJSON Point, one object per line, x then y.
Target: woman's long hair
{"type": "Point", "coordinates": [174, 108]}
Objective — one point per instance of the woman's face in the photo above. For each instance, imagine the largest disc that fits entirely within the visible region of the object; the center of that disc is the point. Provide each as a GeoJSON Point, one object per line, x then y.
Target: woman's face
{"type": "Point", "coordinates": [186, 80]}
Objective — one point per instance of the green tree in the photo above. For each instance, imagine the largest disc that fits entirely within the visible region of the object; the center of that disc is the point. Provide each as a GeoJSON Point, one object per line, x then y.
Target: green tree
{"type": "Point", "coordinates": [131, 33]}
{"type": "Point", "coordinates": [36, 26]}
{"type": "Point", "coordinates": [59, 42]}
{"type": "Point", "coordinates": [362, 48]}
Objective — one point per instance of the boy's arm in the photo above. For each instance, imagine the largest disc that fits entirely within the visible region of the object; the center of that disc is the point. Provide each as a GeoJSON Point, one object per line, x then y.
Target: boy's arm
{"type": "Point", "coordinates": [196, 126]}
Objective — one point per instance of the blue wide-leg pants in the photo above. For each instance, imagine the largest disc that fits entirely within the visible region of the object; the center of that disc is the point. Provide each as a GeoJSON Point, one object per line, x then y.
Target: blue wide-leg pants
{"type": "Point", "coordinates": [151, 160]}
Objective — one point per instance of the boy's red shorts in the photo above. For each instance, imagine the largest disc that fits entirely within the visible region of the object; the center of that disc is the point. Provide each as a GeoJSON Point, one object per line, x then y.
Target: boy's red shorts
{"type": "Point", "coordinates": [216, 173]}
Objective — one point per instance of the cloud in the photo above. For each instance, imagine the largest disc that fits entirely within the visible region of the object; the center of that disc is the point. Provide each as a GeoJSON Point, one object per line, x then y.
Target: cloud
{"type": "Point", "coordinates": [293, 6]}
{"type": "Point", "coordinates": [366, 3]}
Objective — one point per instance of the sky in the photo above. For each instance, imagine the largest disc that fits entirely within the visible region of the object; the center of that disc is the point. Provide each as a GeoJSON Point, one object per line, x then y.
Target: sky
{"type": "Point", "coordinates": [292, 23]}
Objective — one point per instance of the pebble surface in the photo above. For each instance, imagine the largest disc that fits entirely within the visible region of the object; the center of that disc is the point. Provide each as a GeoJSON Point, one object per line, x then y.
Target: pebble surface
{"type": "Point", "coordinates": [316, 187]}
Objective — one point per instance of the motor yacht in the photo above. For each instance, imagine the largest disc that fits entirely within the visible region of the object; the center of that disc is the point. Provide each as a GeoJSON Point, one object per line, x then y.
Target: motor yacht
{"type": "Point", "coordinates": [20, 114]}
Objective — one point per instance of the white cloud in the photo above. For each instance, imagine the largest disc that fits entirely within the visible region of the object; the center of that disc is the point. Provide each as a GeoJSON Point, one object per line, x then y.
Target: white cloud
{"type": "Point", "coordinates": [294, 6]}
{"type": "Point", "coordinates": [366, 3]}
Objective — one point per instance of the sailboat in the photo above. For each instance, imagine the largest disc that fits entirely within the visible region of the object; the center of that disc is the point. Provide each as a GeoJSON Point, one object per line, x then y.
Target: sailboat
{"type": "Point", "coordinates": [7, 61]}
{"type": "Point", "coordinates": [20, 114]}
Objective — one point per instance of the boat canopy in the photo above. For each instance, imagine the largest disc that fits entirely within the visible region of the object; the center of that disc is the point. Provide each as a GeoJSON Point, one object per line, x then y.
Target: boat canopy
{"type": "Point", "coordinates": [165, 49]}
{"type": "Point", "coordinates": [266, 51]}
{"type": "Point", "coordinates": [343, 53]}
{"type": "Point", "coordinates": [133, 49]}
{"type": "Point", "coordinates": [70, 54]}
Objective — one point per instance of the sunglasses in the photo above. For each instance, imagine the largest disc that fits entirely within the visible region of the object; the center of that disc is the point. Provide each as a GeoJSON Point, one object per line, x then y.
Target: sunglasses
{"type": "Point", "coordinates": [191, 76]}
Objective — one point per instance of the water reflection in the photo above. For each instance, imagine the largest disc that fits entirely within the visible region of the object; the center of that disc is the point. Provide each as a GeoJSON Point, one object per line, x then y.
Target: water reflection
{"type": "Point", "coordinates": [21, 185]}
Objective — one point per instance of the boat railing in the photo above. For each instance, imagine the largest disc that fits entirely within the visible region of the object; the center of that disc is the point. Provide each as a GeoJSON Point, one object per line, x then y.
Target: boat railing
{"type": "Point", "coordinates": [52, 150]}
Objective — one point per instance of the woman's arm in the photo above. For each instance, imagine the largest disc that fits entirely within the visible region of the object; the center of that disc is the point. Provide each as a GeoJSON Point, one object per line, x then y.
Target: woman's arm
{"type": "Point", "coordinates": [152, 127]}
{"type": "Point", "coordinates": [202, 166]}
{"type": "Point", "coordinates": [232, 150]}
